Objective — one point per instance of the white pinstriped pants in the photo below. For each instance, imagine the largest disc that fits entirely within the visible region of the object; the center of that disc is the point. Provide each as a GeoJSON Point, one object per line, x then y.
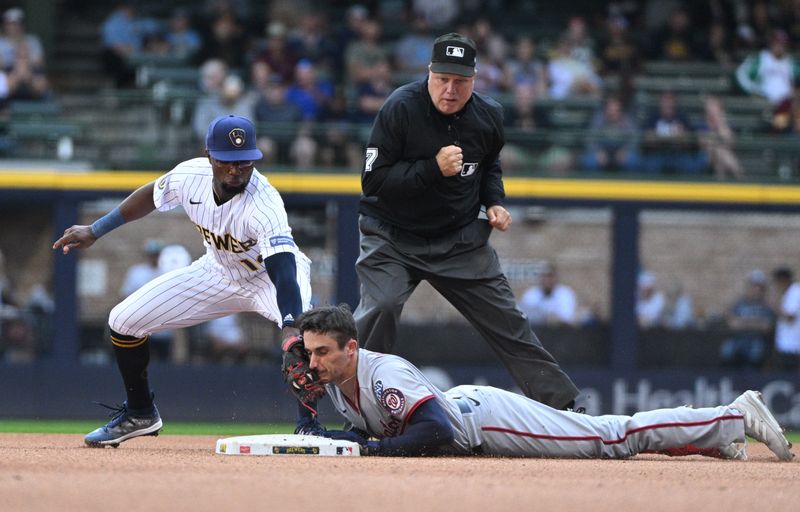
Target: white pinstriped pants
{"type": "Point", "coordinates": [190, 295]}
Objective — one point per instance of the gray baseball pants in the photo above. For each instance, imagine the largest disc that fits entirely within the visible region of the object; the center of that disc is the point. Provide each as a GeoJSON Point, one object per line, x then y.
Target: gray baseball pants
{"type": "Point", "coordinates": [465, 269]}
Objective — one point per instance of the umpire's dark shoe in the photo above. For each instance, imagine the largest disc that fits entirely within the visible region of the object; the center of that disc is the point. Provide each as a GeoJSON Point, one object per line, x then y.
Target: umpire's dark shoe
{"type": "Point", "coordinates": [124, 426]}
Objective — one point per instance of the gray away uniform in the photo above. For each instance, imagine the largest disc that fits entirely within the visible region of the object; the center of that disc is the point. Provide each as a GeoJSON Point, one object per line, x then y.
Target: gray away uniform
{"type": "Point", "coordinates": [493, 421]}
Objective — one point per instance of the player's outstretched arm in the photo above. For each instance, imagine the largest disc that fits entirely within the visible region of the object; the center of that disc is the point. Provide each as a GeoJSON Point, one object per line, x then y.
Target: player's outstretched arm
{"type": "Point", "coordinates": [427, 430]}
{"type": "Point", "coordinates": [133, 207]}
{"type": "Point", "coordinates": [282, 270]}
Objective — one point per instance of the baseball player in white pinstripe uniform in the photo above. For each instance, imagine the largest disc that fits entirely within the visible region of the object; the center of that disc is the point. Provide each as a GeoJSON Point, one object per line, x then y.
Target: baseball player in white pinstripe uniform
{"type": "Point", "coordinates": [251, 263]}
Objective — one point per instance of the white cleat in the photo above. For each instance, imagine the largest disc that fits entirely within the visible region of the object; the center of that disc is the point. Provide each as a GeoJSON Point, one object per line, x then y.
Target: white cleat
{"type": "Point", "coordinates": [734, 451]}
{"type": "Point", "coordinates": [761, 425]}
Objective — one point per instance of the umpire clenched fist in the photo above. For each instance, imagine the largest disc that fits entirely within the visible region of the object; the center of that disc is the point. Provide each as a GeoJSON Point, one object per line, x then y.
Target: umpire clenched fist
{"type": "Point", "coordinates": [450, 160]}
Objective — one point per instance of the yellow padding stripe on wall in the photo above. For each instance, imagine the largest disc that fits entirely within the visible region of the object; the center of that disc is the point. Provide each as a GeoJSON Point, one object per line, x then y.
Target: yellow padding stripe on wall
{"type": "Point", "coordinates": [350, 184]}
{"type": "Point", "coordinates": [654, 191]}
{"type": "Point", "coordinates": [112, 181]}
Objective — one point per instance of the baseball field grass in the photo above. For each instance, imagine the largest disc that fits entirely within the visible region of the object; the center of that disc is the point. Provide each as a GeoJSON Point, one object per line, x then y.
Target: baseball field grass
{"type": "Point", "coordinates": [177, 428]}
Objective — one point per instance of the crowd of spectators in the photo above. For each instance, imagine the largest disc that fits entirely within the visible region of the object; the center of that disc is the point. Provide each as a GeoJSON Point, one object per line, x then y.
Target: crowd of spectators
{"type": "Point", "coordinates": [759, 329]}
{"type": "Point", "coordinates": [305, 68]}
{"type": "Point", "coordinates": [315, 82]}
{"type": "Point", "coordinates": [763, 322]}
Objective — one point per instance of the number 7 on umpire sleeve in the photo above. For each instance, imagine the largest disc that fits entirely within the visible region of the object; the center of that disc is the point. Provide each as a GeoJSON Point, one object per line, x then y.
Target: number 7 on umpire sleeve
{"type": "Point", "coordinates": [372, 154]}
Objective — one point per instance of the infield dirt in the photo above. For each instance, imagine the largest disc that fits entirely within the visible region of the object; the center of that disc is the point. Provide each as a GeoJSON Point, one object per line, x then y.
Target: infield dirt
{"type": "Point", "coordinates": [182, 473]}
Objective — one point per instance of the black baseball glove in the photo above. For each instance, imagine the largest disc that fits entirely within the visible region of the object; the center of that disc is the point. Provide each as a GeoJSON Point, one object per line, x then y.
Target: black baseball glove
{"type": "Point", "coordinates": [303, 382]}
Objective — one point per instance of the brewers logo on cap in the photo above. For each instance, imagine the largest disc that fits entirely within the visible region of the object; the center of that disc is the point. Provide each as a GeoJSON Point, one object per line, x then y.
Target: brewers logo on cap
{"type": "Point", "coordinates": [232, 138]}
{"type": "Point", "coordinates": [237, 137]}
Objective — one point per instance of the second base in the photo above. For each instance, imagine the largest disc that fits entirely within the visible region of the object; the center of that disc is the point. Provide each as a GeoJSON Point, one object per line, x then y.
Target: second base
{"type": "Point", "coordinates": [287, 444]}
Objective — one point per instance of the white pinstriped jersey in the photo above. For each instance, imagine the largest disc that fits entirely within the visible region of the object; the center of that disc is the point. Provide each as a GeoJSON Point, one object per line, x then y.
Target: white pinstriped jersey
{"type": "Point", "coordinates": [390, 389]}
{"type": "Point", "coordinates": [238, 234]}
{"type": "Point", "coordinates": [231, 276]}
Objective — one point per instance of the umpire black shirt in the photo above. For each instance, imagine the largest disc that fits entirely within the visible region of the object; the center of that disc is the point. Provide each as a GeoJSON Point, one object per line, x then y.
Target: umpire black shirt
{"type": "Point", "coordinates": [401, 182]}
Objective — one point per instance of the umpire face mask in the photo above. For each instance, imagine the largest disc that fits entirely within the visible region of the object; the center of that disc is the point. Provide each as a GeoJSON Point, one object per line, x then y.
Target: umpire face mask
{"type": "Point", "coordinates": [449, 93]}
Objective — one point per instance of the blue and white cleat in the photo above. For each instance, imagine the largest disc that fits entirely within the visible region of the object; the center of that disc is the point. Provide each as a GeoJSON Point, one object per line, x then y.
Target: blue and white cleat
{"type": "Point", "coordinates": [124, 426]}
{"type": "Point", "coordinates": [310, 427]}
{"type": "Point", "coordinates": [761, 425]}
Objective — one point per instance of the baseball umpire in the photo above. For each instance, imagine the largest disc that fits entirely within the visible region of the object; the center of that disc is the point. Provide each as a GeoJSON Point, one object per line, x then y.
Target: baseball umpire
{"type": "Point", "coordinates": [432, 193]}
{"type": "Point", "coordinates": [251, 264]}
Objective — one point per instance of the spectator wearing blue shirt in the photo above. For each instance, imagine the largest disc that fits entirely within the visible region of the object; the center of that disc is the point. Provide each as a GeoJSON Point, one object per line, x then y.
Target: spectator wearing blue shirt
{"type": "Point", "coordinates": [271, 105]}
{"type": "Point", "coordinates": [372, 93]}
{"type": "Point", "coordinates": [412, 53]}
{"type": "Point", "coordinates": [670, 140]}
{"type": "Point", "coordinates": [270, 108]}
{"type": "Point", "coordinates": [751, 321]}
{"type": "Point", "coordinates": [312, 40]}
{"type": "Point", "coordinates": [182, 39]}
{"type": "Point", "coordinates": [307, 92]}
{"type": "Point", "coordinates": [122, 38]}
{"type": "Point", "coordinates": [525, 69]}
{"type": "Point", "coordinates": [612, 142]}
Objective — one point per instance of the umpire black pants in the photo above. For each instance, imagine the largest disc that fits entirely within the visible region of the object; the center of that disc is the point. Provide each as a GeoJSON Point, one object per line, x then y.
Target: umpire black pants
{"type": "Point", "coordinates": [464, 268]}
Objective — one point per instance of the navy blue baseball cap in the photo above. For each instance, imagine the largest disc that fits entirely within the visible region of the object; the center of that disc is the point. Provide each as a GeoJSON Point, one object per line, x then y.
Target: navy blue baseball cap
{"type": "Point", "coordinates": [232, 139]}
